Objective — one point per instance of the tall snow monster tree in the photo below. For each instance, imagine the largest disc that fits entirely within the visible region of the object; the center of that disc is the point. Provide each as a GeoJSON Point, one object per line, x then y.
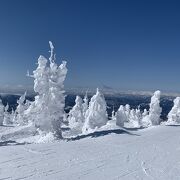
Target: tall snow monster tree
{"type": "Point", "coordinates": [153, 117]}
{"type": "Point", "coordinates": [47, 111]}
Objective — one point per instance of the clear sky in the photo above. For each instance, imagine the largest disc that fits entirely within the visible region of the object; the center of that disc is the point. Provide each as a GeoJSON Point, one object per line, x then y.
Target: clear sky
{"type": "Point", "coordinates": [126, 44]}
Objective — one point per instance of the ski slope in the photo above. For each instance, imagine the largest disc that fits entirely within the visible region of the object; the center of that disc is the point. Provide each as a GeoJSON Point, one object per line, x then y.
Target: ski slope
{"type": "Point", "coordinates": [147, 154]}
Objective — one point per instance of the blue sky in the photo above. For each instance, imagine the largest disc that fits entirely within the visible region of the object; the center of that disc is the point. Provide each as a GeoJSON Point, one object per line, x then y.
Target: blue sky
{"type": "Point", "coordinates": [118, 43]}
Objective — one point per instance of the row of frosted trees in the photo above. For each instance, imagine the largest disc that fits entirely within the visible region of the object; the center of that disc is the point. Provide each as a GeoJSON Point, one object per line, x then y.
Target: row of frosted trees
{"type": "Point", "coordinates": [46, 113]}
{"type": "Point", "coordinates": [84, 117]}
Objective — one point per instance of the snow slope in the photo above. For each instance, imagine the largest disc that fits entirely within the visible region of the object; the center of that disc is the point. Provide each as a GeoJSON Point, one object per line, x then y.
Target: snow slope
{"type": "Point", "coordinates": [147, 154]}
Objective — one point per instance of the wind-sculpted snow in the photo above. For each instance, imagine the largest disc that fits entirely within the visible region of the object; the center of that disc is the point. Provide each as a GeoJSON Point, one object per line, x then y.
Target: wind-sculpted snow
{"type": "Point", "coordinates": [76, 116]}
{"type": "Point", "coordinates": [96, 114]}
{"type": "Point", "coordinates": [153, 117]}
{"type": "Point", "coordinates": [19, 116]}
{"type": "Point", "coordinates": [146, 154]}
{"type": "Point", "coordinates": [174, 114]}
{"type": "Point", "coordinates": [121, 116]}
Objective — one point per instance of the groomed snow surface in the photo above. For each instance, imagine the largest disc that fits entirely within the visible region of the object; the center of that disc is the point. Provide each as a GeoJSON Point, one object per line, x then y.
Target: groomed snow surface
{"type": "Point", "coordinates": [137, 154]}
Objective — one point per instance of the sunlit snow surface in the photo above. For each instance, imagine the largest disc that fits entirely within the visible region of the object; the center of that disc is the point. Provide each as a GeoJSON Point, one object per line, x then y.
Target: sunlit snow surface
{"type": "Point", "coordinates": [146, 154]}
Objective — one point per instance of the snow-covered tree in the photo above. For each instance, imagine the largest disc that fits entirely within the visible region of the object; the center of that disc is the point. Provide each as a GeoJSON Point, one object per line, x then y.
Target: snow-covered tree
{"type": "Point", "coordinates": [20, 117]}
{"type": "Point", "coordinates": [135, 118]}
{"type": "Point", "coordinates": [85, 104]}
{"type": "Point", "coordinates": [145, 113]}
{"type": "Point", "coordinates": [76, 117]}
{"type": "Point", "coordinates": [174, 114]}
{"type": "Point", "coordinates": [113, 115]}
{"type": "Point", "coordinates": [37, 111]}
{"type": "Point", "coordinates": [13, 116]}
{"type": "Point", "coordinates": [40, 76]}
{"type": "Point", "coordinates": [47, 111]}
{"type": "Point", "coordinates": [96, 115]}
{"type": "Point", "coordinates": [127, 110]}
{"type": "Point", "coordinates": [155, 109]}
{"type": "Point", "coordinates": [56, 96]}
{"type": "Point", "coordinates": [139, 116]}
{"type": "Point", "coordinates": [121, 116]}
{"type": "Point", "coordinates": [7, 119]}
{"type": "Point", "coordinates": [1, 113]}
{"type": "Point", "coordinates": [153, 117]}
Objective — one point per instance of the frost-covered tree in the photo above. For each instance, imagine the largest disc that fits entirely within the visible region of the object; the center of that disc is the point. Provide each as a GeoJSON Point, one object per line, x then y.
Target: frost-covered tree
{"type": "Point", "coordinates": [153, 117]}
{"type": "Point", "coordinates": [20, 116]}
{"type": "Point", "coordinates": [1, 113]}
{"type": "Point", "coordinates": [56, 96]}
{"type": "Point", "coordinates": [121, 116]}
{"type": "Point", "coordinates": [13, 116]}
{"type": "Point", "coordinates": [139, 117]}
{"type": "Point", "coordinates": [174, 114]}
{"type": "Point", "coordinates": [146, 122]}
{"type": "Point", "coordinates": [145, 113]}
{"type": "Point", "coordinates": [113, 115]}
{"type": "Point", "coordinates": [96, 115]}
{"type": "Point", "coordinates": [127, 110]}
{"type": "Point", "coordinates": [155, 109]}
{"type": "Point", "coordinates": [145, 119]}
{"type": "Point", "coordinates": [85, 104]}
{"type": "Point", "coordinates": [40, 75]}
{"type": "Point", "coordinates": [132, 117]}
{"type": "Point", "coordinates": [47, 111]}
{"type": "Point", "coordinates": [135, 118]}
{"type": "Point", "coordinates": [76, 117]}
{"type": "Point", "coordinates": [7, 119]}
{"type": "Point", "coordinates": [37, 111]}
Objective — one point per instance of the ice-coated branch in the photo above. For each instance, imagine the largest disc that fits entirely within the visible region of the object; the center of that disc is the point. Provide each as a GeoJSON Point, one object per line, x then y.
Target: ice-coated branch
{"type": "Point", "coordinates": [52, 56]}
{"type": "Point", "coordinates": [28, 74]}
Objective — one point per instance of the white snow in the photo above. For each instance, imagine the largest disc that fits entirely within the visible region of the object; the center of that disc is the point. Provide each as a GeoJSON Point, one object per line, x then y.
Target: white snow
{"type": "Point", "coordinates": [19, 117]}
{"type": "Point", "coordinates": [96, 114]}
{"type": "Point", "coordinates": [1, 112]}
{"type": "Point", "coordinates": [153, 118]}
{"type": "Point", "coordinates": [174, 114]}
{"type": "Point", "coordinates": [121, 116]}
{"type": "Point", "coordinates": [76, 117]}
{"type": "Point", "coordinates": [147, 154]}
{"type": "Point", "coordinates": [47, 111]}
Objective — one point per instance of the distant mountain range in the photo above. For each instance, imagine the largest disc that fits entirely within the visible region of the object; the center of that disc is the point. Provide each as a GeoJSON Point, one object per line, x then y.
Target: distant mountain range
{"type": "Point", "coordinates": [20, 89]}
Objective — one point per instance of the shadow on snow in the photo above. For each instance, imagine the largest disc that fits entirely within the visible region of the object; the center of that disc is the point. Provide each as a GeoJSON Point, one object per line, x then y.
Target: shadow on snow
{"type": "Point", "coordinates": [133, 129]}
{"type": "Point", "coordinates": [10, 143]}
{"type": "Point", "coordinates": [173, 125]}
{"type": "Point", "coordinates": [101, 133]}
